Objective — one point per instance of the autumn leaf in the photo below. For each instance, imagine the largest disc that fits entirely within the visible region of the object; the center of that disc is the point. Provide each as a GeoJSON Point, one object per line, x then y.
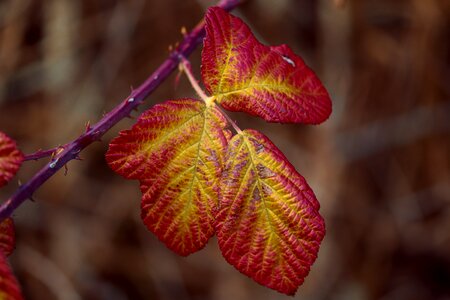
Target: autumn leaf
{"type": "Point", "coordinates": [7, 236]}
{"type": "Point", "coordinates": [245, 75]}
{"type": "Point", "coordinates": [176, 150]}
{"type": "Point", "coordinates": [10, 158]}
{"type": "Point", "coordinates": [9, 288]}
{"type": "Point", "coordinates": [268, 225]}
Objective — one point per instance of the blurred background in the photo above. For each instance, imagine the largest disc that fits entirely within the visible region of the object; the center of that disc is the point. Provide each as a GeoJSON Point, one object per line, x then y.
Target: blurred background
{"type": "Point", "coordinates": [380, 166]}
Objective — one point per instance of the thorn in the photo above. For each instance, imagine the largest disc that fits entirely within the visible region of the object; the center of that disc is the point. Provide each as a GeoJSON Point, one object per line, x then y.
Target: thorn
{"type": "Point", "coordinates": [183, 31]}
{"type": "Point", "coordinates": [96, 135]}
{"type": "Point", "coordinates": [131, 88]}
{"type": "Point", "coordinates": [66, 170]}
{"type": "Point", "coordinates": [87, 125]}
{"type": "Point", "coordinates": [130, 100]}
{"type": "Point", "coordinates": [32, 199]}
{"type": "Point", "coordinates": [59, 150]}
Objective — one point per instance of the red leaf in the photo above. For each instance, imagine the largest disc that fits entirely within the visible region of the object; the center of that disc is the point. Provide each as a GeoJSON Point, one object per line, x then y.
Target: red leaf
{"type": "Point", "coordinates": [176, 150]}
{"type": "Point", "coordinates": [268, 225]}
{"type": "Point", "coordinates": [10, 158]}
{"type": "Point", "coordinates": [9, 288]}
{"type": "Point", "coordinates": [270, 82]}
{"type": "Point", "coordinates": [7, 236]}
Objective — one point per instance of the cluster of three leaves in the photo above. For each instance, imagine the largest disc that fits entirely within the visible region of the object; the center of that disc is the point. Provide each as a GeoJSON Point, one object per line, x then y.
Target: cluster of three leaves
{"type": "Point", "coordinates": [198, 179]}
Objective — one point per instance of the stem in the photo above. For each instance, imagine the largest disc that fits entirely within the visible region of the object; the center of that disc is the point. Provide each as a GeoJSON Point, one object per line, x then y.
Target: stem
{"type": "Point", "coordinates": [186, 67]}
{"type": "Point", "coordinates": [238, 130]}
{"type": "Point", "coordinates": [42, 153]}
{"type": "Point", "coordinates": [123, 110]}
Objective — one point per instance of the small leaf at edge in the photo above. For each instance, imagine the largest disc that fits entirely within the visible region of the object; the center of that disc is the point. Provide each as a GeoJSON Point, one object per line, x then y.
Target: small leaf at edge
{"type": "Point", "coordinates": [10, 158]}
{"type": "Point", "coordinates": [9, 287]}
{"type": "Point", "coordinates": [7, 236]}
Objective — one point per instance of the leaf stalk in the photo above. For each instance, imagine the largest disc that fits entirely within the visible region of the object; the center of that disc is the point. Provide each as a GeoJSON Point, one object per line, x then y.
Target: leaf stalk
{"type": "Point", "coordinates": [185, 66]}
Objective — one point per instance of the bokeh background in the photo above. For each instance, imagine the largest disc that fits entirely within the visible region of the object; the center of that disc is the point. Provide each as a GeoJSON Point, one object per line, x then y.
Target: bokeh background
{"type": "Point", "coordinates": [380, 166]}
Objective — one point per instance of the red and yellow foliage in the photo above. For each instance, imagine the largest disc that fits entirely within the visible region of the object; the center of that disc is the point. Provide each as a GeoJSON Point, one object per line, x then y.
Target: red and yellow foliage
{"type": "Point", "coordinates": [197, 180]}
{"type": "Point", "coordinates": [10, 158]}
{"type": "Point", "coordinates": [9, 288]}
{"type": "Point", "coordinates": [270, 82]}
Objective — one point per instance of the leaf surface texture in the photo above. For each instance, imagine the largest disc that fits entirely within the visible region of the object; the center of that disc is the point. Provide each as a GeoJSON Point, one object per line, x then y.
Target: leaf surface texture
{"type": "Point", "coordinates": [10, 158]}
{"type": "Point", "coordinates": [268, 225]}
{"type": "Point", "coordinates": [176, 150]}
{"type": "Point", "coordinates": [9, 288]}
{"type": "Point", "coordinates": [270, 82]}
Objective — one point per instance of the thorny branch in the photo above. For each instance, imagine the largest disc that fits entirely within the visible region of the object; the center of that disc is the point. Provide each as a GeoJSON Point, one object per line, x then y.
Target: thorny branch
{"type": "Point", "coordinates": [72, 149]}
{"type": "Point", "coordinates": [43, 153]}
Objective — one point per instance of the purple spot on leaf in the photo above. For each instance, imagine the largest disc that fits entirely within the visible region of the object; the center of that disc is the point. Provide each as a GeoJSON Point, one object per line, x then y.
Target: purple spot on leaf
{"type": "Point", "coordinates": [264, 172]}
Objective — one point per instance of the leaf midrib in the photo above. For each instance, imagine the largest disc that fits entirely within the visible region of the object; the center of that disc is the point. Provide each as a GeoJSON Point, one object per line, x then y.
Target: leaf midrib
{"type": "Point", "coordinates": [267, 210]}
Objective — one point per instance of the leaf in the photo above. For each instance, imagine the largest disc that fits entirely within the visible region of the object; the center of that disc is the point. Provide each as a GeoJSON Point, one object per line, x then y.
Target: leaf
{"type": "Point", "coordinates": [10, 158]}
{"type": "Point", "coordinates": [268, 225]}
{"type": "Point", "coordinates": [176, 150]}
{"type": "Point", "coordinates": [7, 236]}
{"type": "Point", "coordinates": [245, 75]}
{"type": "Point", "coordinates": [9, 288]}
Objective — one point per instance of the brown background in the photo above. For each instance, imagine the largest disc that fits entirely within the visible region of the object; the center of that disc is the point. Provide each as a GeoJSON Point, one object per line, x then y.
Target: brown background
{"type": "Point", "coordinates": [380, 165]}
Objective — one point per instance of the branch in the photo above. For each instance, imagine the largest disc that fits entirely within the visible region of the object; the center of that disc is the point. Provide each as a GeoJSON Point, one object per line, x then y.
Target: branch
{"type": "Point", "coordinates": [123, 110]}
{"type": "Point", "coordinates": [43, 153]}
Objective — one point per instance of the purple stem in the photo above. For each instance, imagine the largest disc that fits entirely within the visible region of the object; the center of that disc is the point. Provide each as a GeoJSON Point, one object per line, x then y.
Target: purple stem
{"type": "Point", "coordinates": [42, 154]}
{"type": "Point", "coordinates": [137, 96]}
